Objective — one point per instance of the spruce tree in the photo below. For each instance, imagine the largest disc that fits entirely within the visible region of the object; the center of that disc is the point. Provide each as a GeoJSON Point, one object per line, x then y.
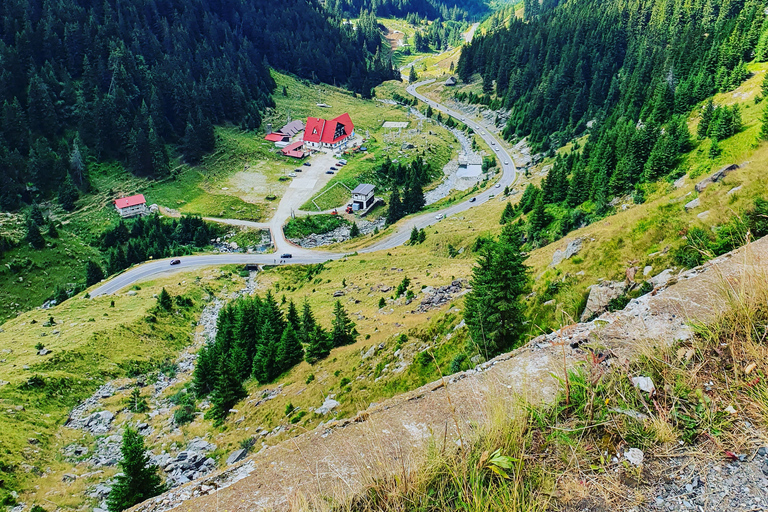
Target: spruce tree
{"type": "Point", "coordinates": [319, 345]}
{"type": "Point", "coordinates": [395, 210]}
{"type": "Point", "coordinates": [764, 123]}
{"type": "Point", "coordinates": [508, 214]}
{"type": "Point", "coordinates": [164, 300]}
{"type": "Point", "coordinates": [293, 318]}
{"type": "Point", "coordinates": [707, 114]}
{"type": "Point", "coordinates": [93, 273]}
{"type": "Point", "coordinates": [343, 331]}
{"type": "Point", "coordinates": [414, 236]}
{"type": "Point", "coordinates": [494, 310]}
{"type": "Point", "coordinates": [205, 375]}
{"type": "Point", "coordinates": [68, 194]}
{"type": "Point", "coordinates": [228, 390]}
{"type": "Point", "coordinates": [354, 231]}
{"type": "Point", "coordinates": [139, 480]}
{"type": "Point", "coordinates": [412, 76]}
{"type": "Point", "coordinates": [52, 231]}
{"type": "Point", "coordinates": [289, 351]}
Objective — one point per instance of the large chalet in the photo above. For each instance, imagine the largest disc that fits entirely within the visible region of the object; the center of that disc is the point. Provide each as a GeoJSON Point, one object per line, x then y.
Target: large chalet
{"type": "Point", "coordinates": [333, 134]}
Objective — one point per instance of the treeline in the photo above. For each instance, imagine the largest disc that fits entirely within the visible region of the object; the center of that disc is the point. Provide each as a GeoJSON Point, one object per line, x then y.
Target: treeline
{"type": "Point", "coordinates": [254, 338]}
{"type": "Point", "coordinates": [627, 70]}
{"type": "Point", "coordinates": [438, 35]}
{"type": "Point", "coordinates": [153, 237]}
{"type": "Point", "coordinates": [85, 80]}
{"type": "Point", "coordinates": [406, 181]}
{"type": "Point", "coordinates": [430, 9]}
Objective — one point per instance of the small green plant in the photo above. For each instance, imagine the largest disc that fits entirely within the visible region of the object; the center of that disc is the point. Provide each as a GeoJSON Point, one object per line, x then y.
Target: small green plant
{"type": "Point", "coordinates": [289, 408]}
{"type": "Point", "coordinates": [136, 402]}
{"type": "Point", "coordinates": [382, 302]}
{"type": "Point", "coordinates": [39, 346]}
{"type": "Point", "coordinates": [344, 381]}
{"type": "Point", "coordinates": [310, 378]}
{"type": "Point", "coordinates": [185, 412]}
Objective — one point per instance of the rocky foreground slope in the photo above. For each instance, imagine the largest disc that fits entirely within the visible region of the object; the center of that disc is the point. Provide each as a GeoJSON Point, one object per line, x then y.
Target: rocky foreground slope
{"type": "Point", "coordinates": [337, 459]}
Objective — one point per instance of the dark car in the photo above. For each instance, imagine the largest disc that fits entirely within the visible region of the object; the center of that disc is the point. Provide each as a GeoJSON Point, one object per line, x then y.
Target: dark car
{"type": "Point", "coordinates": [286, 256]}
{"type": "Point", "coordinates": [306, 164]}
{"type": "Point", "coordinates": [328, 172]}
{"type": "Point", "coordinates": [473, 200]}
{"type": "Point", "coordinates": [340, 164]}
{"type": "Point", "coordinates": [297, 170]}
{"type": "Point", "coordinates": [334, 169]}
{"type": "Point", "coordinates": [175, 262]}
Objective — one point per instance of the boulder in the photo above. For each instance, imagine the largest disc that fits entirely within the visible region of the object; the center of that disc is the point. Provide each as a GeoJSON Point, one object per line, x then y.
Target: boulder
{"type": "Point", "coordinates": [631, 273]}
{"type": "Point", "coordinates": [338, 293]}
{"type": "Point", "coordinates": [200, 445]}
{"type": "Point", "coordinates": [573, 248]}
{"type": "Point", "coordinates": [679, 182]}
{"type": "Point", "coordinates": [99, 422]}
{"type": "Point", "coordinates": [328, 405]}
{"type": "Point", "coordinates": [647, 270]}
{"type": "Point", "coordinates": [600, 295]}
{"type": "Point", "coordinates": [717, 176]}
{"type": "Point", "coordinates": [690, 205]}
{"type": "Point", "coordinates": [236, 456]}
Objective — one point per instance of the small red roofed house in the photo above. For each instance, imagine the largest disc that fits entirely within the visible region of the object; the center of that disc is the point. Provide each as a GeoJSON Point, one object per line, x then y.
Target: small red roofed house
{"type": "Point", "coordinates": [295, 150]}
{"type": "Point", "coordinates": [333, 134]}
{"type": "Point", "coordinates": [276, 137]}
{"type": "Point", "coordinates": [131, 206]}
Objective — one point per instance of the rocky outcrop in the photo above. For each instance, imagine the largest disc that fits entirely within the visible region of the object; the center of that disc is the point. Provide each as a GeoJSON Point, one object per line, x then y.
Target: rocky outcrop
{"type": "Point", "coordinates": [715, 177]}
{"type": "Point", "coordinates": [571, 250]}
{"type": "Point", "coordinates": [438, 297]}
{"type": "Point", "coordinates": [600, 295]}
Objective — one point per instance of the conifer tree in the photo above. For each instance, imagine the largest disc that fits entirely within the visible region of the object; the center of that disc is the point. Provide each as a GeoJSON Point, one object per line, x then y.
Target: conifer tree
{"type": "Point", "coordinates": [164, 300]}
{"type": "Point", "coordinates": [204, 377]}
{"type": "Point", "coordinates": [395, 210]}
{"type": "Point", "coordinates": [292, 317]}
{"type": "Point", "coordinates": [764, 121]}
{"type": "Point", "coordinates": [228, 390]}
{"type": "Point", "coordinates": [93, 273]}
{"type": "Point", "coordinates": [139, 479]}
{"type": "Point", "coordinates": [52, 231]}
{"type": "Point", "coordinates": [707, 114]}
{"type": "Point", "coordinates": [508, 214]}
{"type": "Point", "coordinates": [414, 239]}
{"type": "Point", "coordinates": [412, 76]}
{"type": "Point", "coordinates": [289, 352]}
{"type": "Point", "coordinates": [343, 332]}
{"type": "Point", "coordinates": [354, 231]}
{"type": "Point", "coordinates": [68, 194]}
{"type": "Point", "coordinates": [494, 309]}
{"type": "Point", "coordinates": [319, 345]}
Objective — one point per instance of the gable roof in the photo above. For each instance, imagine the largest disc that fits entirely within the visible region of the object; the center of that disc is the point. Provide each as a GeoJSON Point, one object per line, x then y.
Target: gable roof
{"type": "Point", "coordinates": [328, 132]}
{"type": "Point", "coordinates": [125, 202]}
{"type": "Point", "coordinates": [292, 128]}
{"type": "Point", "coordinates": [314, 130]}
{"type": "Point", "coordinates": [363, 189]}
{"type": "Point", "coordinates": [274, 137]}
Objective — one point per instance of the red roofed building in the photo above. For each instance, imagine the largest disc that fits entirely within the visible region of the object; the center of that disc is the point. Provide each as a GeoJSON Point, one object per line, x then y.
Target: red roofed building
{"type": "Point", "coordinates": [131, 206]}
{"type": "Point", "coordinates": [295, 150]}
{"type": "Point", "coordinates": [276, 137]}
{"type": "Point", "coordinates": [333, 134]}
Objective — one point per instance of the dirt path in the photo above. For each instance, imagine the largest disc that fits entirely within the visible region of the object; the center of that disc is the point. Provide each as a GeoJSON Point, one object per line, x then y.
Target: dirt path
{"type": "Point", "coordinates": [339, 458]}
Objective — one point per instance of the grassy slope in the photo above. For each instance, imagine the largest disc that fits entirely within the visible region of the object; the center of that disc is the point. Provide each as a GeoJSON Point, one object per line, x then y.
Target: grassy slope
{"type": "Point", "coordinates": [91, 343]}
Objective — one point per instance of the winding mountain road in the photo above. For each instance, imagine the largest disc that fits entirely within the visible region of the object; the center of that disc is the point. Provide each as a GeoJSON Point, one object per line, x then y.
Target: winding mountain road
{"type": "Point", "coordinates": [302, 256]}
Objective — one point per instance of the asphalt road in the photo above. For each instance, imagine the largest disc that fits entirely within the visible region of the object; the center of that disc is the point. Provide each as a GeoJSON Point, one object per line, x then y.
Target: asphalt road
{"type": "Point", "coordinates": [306, 256]}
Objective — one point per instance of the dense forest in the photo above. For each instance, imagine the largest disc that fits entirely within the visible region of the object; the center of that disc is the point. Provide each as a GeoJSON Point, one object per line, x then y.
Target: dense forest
{"type": "Point", "coordinates": [122, 80]}
{"type": "Point", "coordinates": [431, 9]}
{"type": "Point", "coordinates": [254, 338]}
{"type": "Point", "coordinates": [627, 73]}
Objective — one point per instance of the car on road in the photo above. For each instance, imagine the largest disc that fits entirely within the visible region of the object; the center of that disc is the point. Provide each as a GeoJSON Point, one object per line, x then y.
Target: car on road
{"type": "Point", "coordinates": [439, 216]}
{"type": "Point", "coordinates": [286, 256]}
{"type": "Point", "coordinates": [493, 143]}
{"type": "Point", "coordinates": [496, 149]}
{"type": "Point", "coordinates": [498, 185]}
{"type": "Point", "coordinates": [175, 261]}
{"type": "Point", "coordinates": [291, 174]}
{"type": "Point", "coordinates": [473, 200]}
{"type": "Point", "coordinates": [328, 172]}
{"type": "Point", "coordinates": [506, 163]}
{"type": "Point", "coordinates": [334, 168]}
{"type": "Point", "coordinates": [307, 164]}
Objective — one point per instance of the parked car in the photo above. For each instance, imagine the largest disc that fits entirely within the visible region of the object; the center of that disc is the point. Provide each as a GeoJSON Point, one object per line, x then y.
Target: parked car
{"type": "Point", "coordinates": [306, 164]}
{"type": "Point", "coordinates": [343, 162]}
{"type": "Point", "coordinates": [334, 168]}
{"type": "Point", "coordinates": [297, 170]}
{"type": "Point", "coordinates": [291, 174]}
{"type": "Point", "coordinates": [286, 256]}
{"type": "Point", "coordinates": [340, 164]}
{"type": "Point", "coordinates": [175, 261]}
{"type": "Point", "coordinates": [328, 172]}
{"type": "Point", "coordinates": [473, 200]}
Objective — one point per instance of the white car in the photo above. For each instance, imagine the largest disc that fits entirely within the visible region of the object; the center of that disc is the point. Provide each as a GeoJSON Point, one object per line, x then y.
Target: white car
{"type": "Point", "coordinates": [506, 163]}
{"type": "Point", "coordinates": [495, 149]}
{"type": "Point", "coordinates": [498, 185]}
{"type": "Point", "coordinates": [292, 174]}
{"type": "Point", "coordinates": [493, 143]}
{"type": "Point", "coordinates": [439, 216]}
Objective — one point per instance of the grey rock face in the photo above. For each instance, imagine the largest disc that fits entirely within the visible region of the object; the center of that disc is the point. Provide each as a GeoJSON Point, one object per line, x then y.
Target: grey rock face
{"type": "Point", "coordinates": [236, 456]}
{"type": "Point", "coordinates": [690, 205]}
{"type": "Point", "coordinates": [600, 295]}
{"type": "Point", "coordinates": [717, 176]}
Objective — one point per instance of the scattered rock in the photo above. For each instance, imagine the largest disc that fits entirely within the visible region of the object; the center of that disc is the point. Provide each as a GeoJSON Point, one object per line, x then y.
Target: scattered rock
{"type": "Point", "coordinates": [644, 383]}
{"type": "Point", "coordinates": [442, 295]}
{"type": "Point", "coordinates": [43, 352]}
{"type": "Point", "coordinates": [634, 456]}
{"type": "Point", "coordinates": [717, 176]}
{"type": "Point", "coordinates": [573, 248]}
{"type": "Point", "coordinates": [68, 477]}
{"type": "Point", "coordinates": [703, 215]}
{"type": "Point", "coordinates": [734, 190]}
{"type": "Point", "coordinates": [328, 405]}
{"type": "Point", "coordinates": [679, 182]}
{"type": "Point", "coordinates": [338, 293]}
{"type": "Point", "coordinates": [690, 205]}
{"type": "Point", "coordinates": [131, 292]}
{"type": "Point", "coordinates": [630, 274]}
{"type": "Point", "coordinates": [647, 270]}
{"type": "Point", "coordinates": [236, 456]}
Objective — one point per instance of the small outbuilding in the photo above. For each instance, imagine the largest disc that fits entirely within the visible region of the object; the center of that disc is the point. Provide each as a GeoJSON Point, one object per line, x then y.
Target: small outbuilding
{"type": "Point", "coordinates": [295, 150]}
{"type": "Point", "coordinates": [131, 206]}
{"type": "Point", "coordinates": [450, 82]}
{"type": "Point", "coordinates": [363, 197]}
